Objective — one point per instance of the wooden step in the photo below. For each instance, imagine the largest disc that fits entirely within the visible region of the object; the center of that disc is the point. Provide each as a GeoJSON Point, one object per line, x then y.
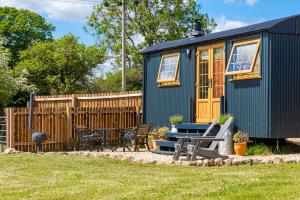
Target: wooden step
{"type": "Point", "coordinates": [192, 126]}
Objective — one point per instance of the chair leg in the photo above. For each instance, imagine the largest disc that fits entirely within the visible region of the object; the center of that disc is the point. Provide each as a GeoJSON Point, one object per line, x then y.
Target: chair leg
{"type": "Point", "coordinates": [146, 144]}
{"type": "Point", "coordinates": [135, 144]}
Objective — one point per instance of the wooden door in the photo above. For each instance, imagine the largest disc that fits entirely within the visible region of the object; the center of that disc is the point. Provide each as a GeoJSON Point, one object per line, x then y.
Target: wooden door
{"type": "Point", "coordinates": [209, 82]}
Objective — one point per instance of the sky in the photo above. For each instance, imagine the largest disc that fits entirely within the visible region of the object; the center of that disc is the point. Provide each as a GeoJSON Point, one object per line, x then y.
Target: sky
{"type": "Point", "coordinates": [70, 17]}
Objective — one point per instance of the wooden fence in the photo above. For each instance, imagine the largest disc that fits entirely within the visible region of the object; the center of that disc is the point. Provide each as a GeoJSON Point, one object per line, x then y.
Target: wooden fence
{"type": "Point", "coordinates": [57, 117]}
{"type": "Point", "coordinates": [120, 99]}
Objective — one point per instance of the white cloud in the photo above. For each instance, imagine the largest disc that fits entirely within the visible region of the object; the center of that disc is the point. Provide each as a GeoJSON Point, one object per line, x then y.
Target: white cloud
{"type": "Point", "coordinates": [248, 2]}
{"type": "Point", "coordinates": [225, 24]}
{"type": "Point", "coordinates": [58, 10]}
{"type": "Point", "coordinates": [251, 2]}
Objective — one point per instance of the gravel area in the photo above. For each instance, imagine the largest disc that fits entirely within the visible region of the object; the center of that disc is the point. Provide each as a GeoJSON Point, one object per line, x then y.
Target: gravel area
{"type": "Point", "coordinates": [151, 158]}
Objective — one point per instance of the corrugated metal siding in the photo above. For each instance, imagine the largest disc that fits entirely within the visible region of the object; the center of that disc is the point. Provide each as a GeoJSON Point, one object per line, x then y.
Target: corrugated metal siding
{"type": "Point", "coordinates": [247, 100]}
{"type": "Point", "coordinates": [162, 102]}
{"type": "Point", "coordinates": [285, 92]}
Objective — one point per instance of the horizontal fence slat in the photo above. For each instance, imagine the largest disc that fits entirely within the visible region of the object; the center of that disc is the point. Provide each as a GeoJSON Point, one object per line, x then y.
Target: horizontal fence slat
{"type": "Point", "coordinates": [56, 115]}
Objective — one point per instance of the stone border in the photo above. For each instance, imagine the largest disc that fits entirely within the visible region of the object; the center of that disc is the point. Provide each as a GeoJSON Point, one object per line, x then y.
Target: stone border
{"type": "Point", "coordinates": [150, 158]}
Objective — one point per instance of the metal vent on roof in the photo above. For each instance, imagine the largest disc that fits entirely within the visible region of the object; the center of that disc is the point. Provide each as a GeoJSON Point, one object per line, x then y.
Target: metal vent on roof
{"type": "Point", "coordinates": [198, 29]}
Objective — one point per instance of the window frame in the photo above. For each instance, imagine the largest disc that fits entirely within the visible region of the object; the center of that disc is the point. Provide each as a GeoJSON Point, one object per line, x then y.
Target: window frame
{"type": "Point", "coordinates": [175, 79]}
{"type": "Point", "coordinates": [244, 42]}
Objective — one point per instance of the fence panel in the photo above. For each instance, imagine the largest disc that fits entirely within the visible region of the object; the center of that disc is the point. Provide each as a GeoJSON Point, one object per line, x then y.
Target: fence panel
{"type": "Point", "coordinates": [57, 118]}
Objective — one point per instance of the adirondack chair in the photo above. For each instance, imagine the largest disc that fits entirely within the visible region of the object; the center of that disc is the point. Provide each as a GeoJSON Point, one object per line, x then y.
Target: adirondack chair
{"type": "Point", "coordinates": [180, 144]}
{"type": "Point", "coordinates": [137, 136]}
{"type": "Point", "coordinates": [199, 145]}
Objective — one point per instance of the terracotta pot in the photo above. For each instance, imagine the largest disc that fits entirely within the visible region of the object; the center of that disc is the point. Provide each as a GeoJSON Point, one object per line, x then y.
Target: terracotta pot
{"type": "Point", "coordinates": [155, 147]}
{"type": "Point", "coordinates": [240, 148]}
{"type": "Point", "coordinates": [150, 144]}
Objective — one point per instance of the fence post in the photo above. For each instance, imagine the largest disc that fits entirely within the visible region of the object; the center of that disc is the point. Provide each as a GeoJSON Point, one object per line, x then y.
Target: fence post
{"type": "Point", "coordinates": [138, 115]}
{"type": "Point", "coordinates": [74, 101]}
{"type": "Point", "coordinates": [7, 110]}
{"type": "Point", "coordinates": [69, 122]}
{"type": "Point", "coordinates": [12, 128]}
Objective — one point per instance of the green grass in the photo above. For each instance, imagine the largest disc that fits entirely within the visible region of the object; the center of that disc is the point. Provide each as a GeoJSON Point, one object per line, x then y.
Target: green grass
{"type": "Point", "coordinates": [260, 149]}
{"type": "Point", "coordinates": [76, 177]}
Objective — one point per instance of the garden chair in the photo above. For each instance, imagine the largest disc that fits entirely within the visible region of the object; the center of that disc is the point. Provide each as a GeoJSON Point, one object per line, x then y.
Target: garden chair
{"type": "Point", "coordinates": [206, 146]}
{"type": "Point", "coordinates": [86, 138]}
{"type": "Point", "coordinates": [137, 136]}
{"type": "Point", "coordinates": [180, 144]}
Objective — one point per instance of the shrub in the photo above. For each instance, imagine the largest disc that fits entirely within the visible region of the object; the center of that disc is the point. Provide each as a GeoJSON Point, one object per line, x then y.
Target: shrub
{"type": "Point", "coordinates": [240, 137]}
{"type": "Point", "coordinates": [176, 119]}
{"type": "Point", "coordinates": [260, 149]}
{"type": "Point", "coordinates": [163, 130]}
{"type": "Point", "coordinates": [223, 118]}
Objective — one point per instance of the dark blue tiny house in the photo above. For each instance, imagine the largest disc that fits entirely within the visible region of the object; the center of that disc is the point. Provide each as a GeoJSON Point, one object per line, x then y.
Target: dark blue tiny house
{"type": "Point", "coordinates": [252, 73]}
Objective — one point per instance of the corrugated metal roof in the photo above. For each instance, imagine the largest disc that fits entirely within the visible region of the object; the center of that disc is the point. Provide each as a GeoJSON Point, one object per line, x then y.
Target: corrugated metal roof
{"type": "Point", "coordinates": [255, 28]}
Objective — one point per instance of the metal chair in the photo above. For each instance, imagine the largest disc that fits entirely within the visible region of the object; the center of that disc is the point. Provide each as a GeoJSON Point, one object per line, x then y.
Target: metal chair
{"type": "Point", "coordinates": [137, 136]}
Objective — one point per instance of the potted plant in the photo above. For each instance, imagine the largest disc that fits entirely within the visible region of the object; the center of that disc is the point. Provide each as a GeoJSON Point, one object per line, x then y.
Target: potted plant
{"type": "Point", "coordinates": [223, 118]}
{"type": "Point", "coordinates": [240, 140]}
{"type": "Point", "coordinates": [175, 120]}
{"type": "Point", "coordinates": [152, 138]}
{"type": "Point", "coordinates": [162, 131]}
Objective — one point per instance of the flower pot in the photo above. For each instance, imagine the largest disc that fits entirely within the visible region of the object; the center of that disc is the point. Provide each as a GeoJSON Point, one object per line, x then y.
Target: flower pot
{"type": "Point", "coordinates": [150, 143]}
{"type": "Point", "coordinates": [173, 129]}
{"type": "Point", "coordinates": [155, 147]}
{"type": "Point", "coordinates": [240, 148]}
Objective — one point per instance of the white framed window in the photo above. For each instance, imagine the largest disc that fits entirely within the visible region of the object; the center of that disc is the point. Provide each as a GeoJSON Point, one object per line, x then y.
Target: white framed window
{"type": "Point", "coordinates": [243, 57]}
{"type": "Point", "coordinates": [168, 69]}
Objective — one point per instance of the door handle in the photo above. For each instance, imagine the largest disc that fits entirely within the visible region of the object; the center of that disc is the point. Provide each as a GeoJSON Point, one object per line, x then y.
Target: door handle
{"type": "Point", "coordinates": [210, 83]}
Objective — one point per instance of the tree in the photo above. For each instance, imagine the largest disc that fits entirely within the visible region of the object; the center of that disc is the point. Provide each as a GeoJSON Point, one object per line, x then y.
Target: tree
{"type": "Point", "coordinates": [6, 79]}
{"type": "Point", "coordinates": [21, 28]}
{"type": "Point", "coordinates": [111, 82]}
{"type": "Point", "coordinates": [61, 66]}
{"type": "Point", "coordinates": [149, 23]}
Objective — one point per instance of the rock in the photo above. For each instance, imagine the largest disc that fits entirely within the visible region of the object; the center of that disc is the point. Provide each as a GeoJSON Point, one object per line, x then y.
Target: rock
{"type": "Point", "coordinates": [178, 162]}
{"type": "Point", "coordinates": [62, 153]}
{"type": "Point", "coordinates": [200, 163]}
{"type": "Point", "coordinates": [277, 160]}
{"type": "Point", "coordinates": [86, 154]}
{"type": "Point", "coordinates": [139, 160]}
{"type": "Point", "coordinates": [193, 163]}
{"type": "Point", "coordinates": [205, 163]}
{"type": "Point", "coordinates": [256, 161]}
{"type": "Point", "coordinates": [149, 162]}
{"type": "Point", "coordinates": [170, 162]}
{"type": "Point", "coordinates": [185, 163]}
{"type": "Point", "coordinates": [266, 161]}
{"type": "Point", "coordinates": [218, 162]}
{"type": "Point", "coordinates": [10, 151]}
{"type": "Point", "coordinates": [291, 160]}
{"type": "Point", "coordinates": [249, 161]}
{"type": "Point", "coordinates": [236, 162]}
{"type": "Point", "coordinates": [228, 162]}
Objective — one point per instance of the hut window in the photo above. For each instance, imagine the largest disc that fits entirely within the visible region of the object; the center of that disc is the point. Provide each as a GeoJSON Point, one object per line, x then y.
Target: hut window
{"type": "Point", "coordinates": [168, 70]}
{"type": "Point", "coordinates": [244, 59]}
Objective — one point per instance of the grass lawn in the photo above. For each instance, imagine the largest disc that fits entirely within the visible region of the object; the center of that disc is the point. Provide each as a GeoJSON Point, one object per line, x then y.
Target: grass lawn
{"type": "Point", "coordinates": [76, 177]}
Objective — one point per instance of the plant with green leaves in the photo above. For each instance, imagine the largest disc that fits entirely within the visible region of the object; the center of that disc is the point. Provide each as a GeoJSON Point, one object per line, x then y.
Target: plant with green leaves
{"type": "Point", "coordinates": [60, 66]}
{"type": "Point", "coordinates": [162, 131]}
{"type": "Point", "coordinates": [175, 119]}
{"type": "Point", "coordinates": [240, 137]}
{"type": "Point", "coordinates": [6, 78]}
{"type": "Point", "coordinates": [21, 28]}
{"type": "Point", "coordinates": [148, 23]}
{"type": "Point", "coordinates": [223, 118]}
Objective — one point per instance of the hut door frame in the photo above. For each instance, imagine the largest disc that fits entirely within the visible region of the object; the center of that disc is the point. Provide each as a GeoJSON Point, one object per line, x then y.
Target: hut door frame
{"type": "Point", "coordinates": [209, 83]}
